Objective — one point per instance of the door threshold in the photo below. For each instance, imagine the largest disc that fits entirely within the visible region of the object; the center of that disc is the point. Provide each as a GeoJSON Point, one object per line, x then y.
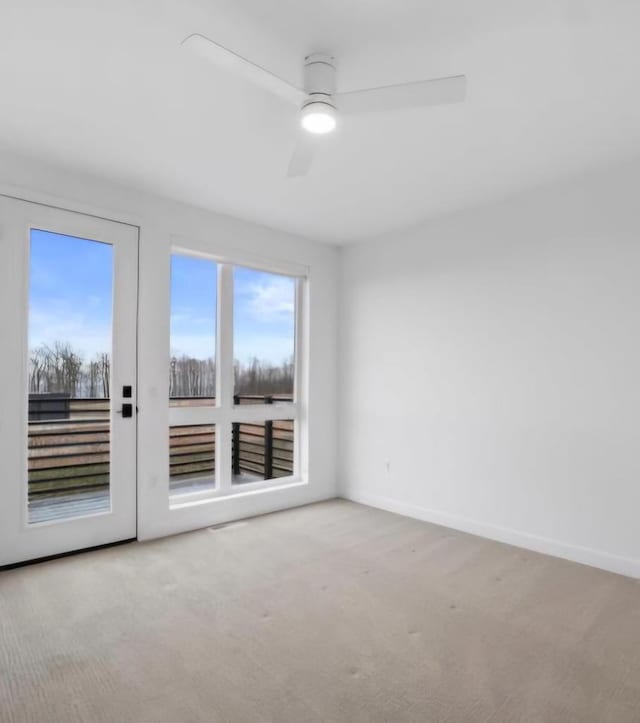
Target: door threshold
{"type": "Point", "coordinates": [48, 558]}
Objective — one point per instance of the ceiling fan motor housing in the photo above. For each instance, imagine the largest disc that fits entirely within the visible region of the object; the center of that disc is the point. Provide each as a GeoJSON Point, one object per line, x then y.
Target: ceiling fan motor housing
{"type": "Point", "coordinates": [319, 78]}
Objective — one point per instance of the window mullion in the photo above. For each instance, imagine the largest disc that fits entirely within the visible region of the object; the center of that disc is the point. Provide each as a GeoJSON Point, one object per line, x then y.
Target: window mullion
{"type": "Point", "coordinates": [225, 380]}
{"type": "Point", "coordinates": [300, 375]}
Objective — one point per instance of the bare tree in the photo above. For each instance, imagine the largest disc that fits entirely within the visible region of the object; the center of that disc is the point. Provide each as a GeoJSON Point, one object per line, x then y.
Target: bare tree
{"type": "Point", "coordinates": [191, 377]}
{"type": "Point", "coordinates": [58, 368]}
{"type": "Point", "coordinates": [260, 377]}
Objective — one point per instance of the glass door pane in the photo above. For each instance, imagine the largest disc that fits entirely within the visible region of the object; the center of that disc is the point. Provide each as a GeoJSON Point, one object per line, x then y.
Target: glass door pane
{"type": "Point", "coordinates": [69, 376]}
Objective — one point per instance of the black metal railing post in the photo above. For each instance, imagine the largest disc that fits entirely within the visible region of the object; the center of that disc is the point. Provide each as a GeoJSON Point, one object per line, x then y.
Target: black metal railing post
{"type": "Point", "coordinates": [235, 431]}
{"type": "Point", "coordinates": [268, 443]}
{"type": "Point", "coordinates": [235, 442]}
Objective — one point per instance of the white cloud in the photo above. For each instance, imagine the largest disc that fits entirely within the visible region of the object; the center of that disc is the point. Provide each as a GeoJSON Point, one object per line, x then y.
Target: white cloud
{"type": "Point", "coordinates": [198, 346]}
{"type": "Point", "coordinates": [86, 336]}
{"type": "Point", "coordinates": [268, 348]}
{"type": "Point", "coordinates": [272, 298]}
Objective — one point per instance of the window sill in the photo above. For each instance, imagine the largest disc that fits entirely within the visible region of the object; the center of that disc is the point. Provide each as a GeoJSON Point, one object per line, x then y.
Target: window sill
{"type": "Point", "coordinates": [192, 499]}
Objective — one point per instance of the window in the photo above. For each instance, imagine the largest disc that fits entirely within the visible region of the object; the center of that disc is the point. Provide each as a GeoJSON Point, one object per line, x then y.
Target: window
{"type": "Point", "coordinates": [192, 457]}
{"type": "Point", "coordinates": [194, 299]}
{"type": "Point", "coordinates": [233, 378]}
{"type": "Point", "coordinates": [263, 335]}
{"type": "Point", "coordinates": [262, 450]}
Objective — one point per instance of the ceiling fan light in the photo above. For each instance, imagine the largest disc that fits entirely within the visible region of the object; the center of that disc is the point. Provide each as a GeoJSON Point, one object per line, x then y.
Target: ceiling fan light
{"type": "Point", "coordinates": [318, 117]}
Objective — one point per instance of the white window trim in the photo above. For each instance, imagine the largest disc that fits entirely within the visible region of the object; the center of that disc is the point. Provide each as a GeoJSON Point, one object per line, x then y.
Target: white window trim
{"type": "Point", "coordinates": [225, 413]}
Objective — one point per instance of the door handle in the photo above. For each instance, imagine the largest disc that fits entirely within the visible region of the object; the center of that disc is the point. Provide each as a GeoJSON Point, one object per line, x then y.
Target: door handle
{"type": "Point", "coordinates": [126, 411]}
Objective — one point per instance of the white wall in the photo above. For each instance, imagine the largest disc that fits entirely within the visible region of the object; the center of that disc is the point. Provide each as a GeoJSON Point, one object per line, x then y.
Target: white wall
{"type": "Point", "coordinates": [162, 223]}
{"type": "Point", "coordinates": [490, 371]}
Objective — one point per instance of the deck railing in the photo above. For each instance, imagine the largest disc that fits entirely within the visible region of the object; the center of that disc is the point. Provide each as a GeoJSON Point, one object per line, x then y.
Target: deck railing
{"type": "Point", "coordinates": [68, 457]}
{"type": "Point", "coordinates": [69, 454]}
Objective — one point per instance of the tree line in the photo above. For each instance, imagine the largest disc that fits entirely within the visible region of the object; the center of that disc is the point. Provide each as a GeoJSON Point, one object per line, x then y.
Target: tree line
{"type": "Point", "coordinates": [191, 377]}
{"type": "Point", "coordinates": [58, 368]}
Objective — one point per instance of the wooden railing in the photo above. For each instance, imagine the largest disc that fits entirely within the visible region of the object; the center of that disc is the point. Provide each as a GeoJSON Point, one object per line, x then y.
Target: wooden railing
{"type": "Point", "coordinates": [192, 452]}
{"type": "Point", "coordinates": [68, 443]}
{"type": "Point", "coordinates": [70, 455]}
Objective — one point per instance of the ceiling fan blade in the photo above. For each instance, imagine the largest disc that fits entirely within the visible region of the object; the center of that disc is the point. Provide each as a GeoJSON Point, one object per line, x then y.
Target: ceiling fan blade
{"type": "Point", "coordinates": [302, 157]}
{"type": "Point", "coordinates": [406, 95]}
{"type": "Point", "coordinates": [242, 67]}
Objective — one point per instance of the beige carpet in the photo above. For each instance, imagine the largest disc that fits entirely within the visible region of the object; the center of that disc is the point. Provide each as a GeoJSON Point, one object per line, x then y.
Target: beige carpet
{"type": "Point", "coordinates": [332, 612]}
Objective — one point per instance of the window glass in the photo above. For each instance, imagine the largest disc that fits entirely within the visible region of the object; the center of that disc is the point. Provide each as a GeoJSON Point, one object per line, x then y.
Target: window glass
{"type": "Point", "coordinates": [263, 335]}
{"type": "Point", "coordinates": [194, 295]}
{"type": "Point", "coordinates": [262, 450]}
{"type": "Point", "coordinates": [192, 458]}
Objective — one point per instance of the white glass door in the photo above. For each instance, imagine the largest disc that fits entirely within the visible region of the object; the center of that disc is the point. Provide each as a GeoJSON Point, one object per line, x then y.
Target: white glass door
{"type": "Point", "coordinates": [67, 381]}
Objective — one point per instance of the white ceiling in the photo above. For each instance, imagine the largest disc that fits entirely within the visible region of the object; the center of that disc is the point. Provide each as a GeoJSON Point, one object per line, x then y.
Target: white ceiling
{"type": "Point", "coordinates": [104, 86]}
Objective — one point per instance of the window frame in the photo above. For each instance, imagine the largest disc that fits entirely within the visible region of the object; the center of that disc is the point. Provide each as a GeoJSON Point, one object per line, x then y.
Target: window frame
{"type": "Point", "coordinates": [224, 413]}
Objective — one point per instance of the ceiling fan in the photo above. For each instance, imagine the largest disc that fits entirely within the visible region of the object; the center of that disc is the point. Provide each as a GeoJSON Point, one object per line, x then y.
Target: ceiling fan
{"type": "Point", "coordinates": [318, 102]}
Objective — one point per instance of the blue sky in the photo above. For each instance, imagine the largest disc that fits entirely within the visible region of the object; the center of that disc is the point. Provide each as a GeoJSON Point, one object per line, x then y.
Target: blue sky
{"type": "Point", "coordinates": [70, 292]}
{"type": "Point", "coordinates": [263, 311]}
{"type": "Point", "coordinates": [71, 300]}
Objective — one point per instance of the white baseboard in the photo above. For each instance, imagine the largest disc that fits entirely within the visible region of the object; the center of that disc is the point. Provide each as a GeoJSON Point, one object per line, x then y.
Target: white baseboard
{"type": "Point", "coordinates": [584, 555]}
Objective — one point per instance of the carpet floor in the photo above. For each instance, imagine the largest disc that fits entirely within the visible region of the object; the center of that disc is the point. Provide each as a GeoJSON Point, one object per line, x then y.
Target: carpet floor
{"type": "Point", "coordinates": [331, 612]}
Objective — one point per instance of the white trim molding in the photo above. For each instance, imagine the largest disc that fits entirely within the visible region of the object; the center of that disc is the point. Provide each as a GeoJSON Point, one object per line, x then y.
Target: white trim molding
{"type": "Point", "coordinates": [556, 548]}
